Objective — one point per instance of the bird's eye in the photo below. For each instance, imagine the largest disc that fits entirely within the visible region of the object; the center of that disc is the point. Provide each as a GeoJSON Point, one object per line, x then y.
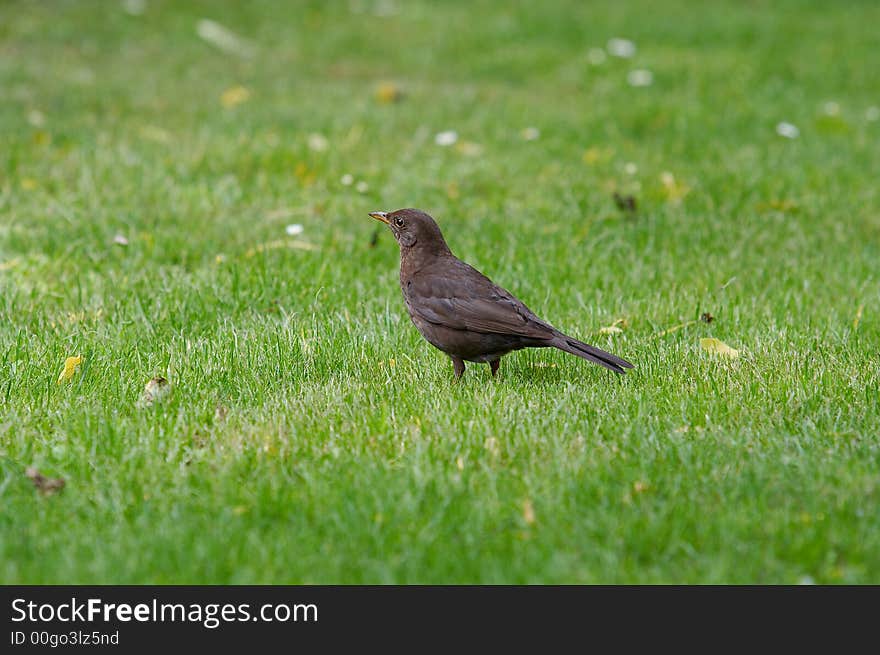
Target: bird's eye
{"type": "Point", "coordinates": [398, 222]}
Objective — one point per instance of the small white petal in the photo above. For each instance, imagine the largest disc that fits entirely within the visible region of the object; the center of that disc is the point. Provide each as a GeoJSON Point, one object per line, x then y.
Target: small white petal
{"type": "Point", "coordinates": [621, 48]}
{"type": "Point", "coordinates": [596, 56]}
{"type": "Point", "coordinates": [294, 229]}
{"type": "Point", "coordinates": [362, 187]}
{"type": "Point", "coordinates": [318, 142]}
{"type": "Point", "coordinates": [640, 77]}
{"type": "Point", "coordinates": [446, 138]}
{"type": "Point", "coordinates": [134, 7]}
{"type": "Point", "coordinates": [120, 240]}
{"type": "Point", "coordinates": [347, 179]}
{"type": "Point", "coordinates": [224, 39]}
{"type": "Point", "coordinates": [831, 108]}
{"type": "Point", "coordinates": [787, 130]}
{"type": "Point", "coordinates": [36, 118]}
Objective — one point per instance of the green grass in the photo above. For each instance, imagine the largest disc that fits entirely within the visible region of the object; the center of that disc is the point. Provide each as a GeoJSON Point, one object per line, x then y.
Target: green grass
{"type": "Point", "coordinates": [347, 454]}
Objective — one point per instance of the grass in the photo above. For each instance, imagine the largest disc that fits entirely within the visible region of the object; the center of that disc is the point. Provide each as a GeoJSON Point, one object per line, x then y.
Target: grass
{"type": "Point", "coordinates": [342, 451]}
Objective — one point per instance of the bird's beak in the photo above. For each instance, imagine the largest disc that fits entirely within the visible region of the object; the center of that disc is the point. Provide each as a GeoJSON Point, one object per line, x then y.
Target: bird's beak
{"type": "Point", "coordinates": [380, 216]}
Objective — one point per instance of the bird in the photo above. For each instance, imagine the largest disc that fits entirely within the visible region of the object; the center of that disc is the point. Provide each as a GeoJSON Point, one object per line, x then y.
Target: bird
{"type": "Point", "coordinates": [462, 312]}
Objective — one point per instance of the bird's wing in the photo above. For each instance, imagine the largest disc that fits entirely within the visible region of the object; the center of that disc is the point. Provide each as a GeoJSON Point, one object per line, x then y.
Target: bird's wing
{"type": "Point", "coordinates": [462, 298]}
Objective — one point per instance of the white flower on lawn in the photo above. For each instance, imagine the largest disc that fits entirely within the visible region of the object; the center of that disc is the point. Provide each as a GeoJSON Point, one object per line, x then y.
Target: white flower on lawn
{"type": "Point", "coordinates": [531, 133]}
{"type": "Point", "coordinates": [872, 113]}
{"type": "Point", "coordinates": [134, 7]}
{"type": "Point", "coordinates": [640, 77]}
{"type": "Point", "coordinates": [447, 138]}
{"type": "Point", "coordinates": [831, 108]}
{"type": "Point", "coordinates": [318, 142]}
{"type": "Point", "coordinates": [362, 187]}
{"type": "Point", "coordinates": [630, 168]}
{"type": "Point", "coordinates": [224, 39]}
{"type": "Point", "coordinates": [347, 179]}
{"type": "Point", "coordinates": [787, 130]}
{"type": "Point", "coordinates": [120, 240]}
{"type": "Point", "coordinates": [294, 229]}
{"type": "Point", "coordinates": [621, 48]}
{"type": "Point", "coordinates": [596, 56]}
{"type": "Point", "coordinates": [36, 118]}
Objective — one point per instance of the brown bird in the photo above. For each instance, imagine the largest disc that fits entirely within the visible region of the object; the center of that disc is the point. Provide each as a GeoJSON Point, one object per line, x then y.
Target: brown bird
{"type": "Point", "coordinates": [461, 311]}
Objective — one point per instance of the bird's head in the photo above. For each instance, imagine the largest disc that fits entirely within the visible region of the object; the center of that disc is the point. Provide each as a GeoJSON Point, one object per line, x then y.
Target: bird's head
{"type": "Point", "coordinates": [413, 228]}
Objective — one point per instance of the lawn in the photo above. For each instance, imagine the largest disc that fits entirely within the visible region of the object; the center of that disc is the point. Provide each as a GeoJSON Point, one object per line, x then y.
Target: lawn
{"type": "Point", "coordinates": [158, 160]}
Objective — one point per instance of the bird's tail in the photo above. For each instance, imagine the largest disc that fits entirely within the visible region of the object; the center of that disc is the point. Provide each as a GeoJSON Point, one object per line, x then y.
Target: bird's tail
{"type": "Point", "coordinates": [590, 353]}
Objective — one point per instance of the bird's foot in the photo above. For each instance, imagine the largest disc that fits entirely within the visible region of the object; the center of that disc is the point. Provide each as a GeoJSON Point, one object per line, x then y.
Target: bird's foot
{"type": "Point", "coordinates": [458, 366]}
{"type": "Point", "coordinates": [494, 364]}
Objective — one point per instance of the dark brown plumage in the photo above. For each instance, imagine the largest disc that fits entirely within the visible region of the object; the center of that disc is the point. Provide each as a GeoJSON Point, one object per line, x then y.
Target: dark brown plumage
{"type": "Point", "coordinates": [461, 311]}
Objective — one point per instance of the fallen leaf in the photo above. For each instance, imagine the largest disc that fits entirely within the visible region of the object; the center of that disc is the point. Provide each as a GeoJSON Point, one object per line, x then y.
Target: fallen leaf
{"type": "Point", "coordinates": [528, 512]}
{"type": "Point", "coordinates": [47, 486]}
{"type": "Point", "coordinates": [858, 317]}
{"type": "Point", "coordinates": [594, 155]}
{"type": "Point", "coordinates": [234, 96]}
{"type": "Point", "coordinates": [718, 347]}
{"type": "Point", "coordinates": [469, 149]}
{"type": "Point", "coordinates": [676, 328]}
{"type": "Point", "coordinates": [388, 93]}
{"type": "Point", "coordinates": [615, 328]}
{"type": "Point", "coordinates": [675, 191]}
{"type": "Point", "coordinates": [784, 206]}
{"type": "Point", "coordinates": [70, 366]}
{"type": "Point", "coordinates": [303, 174]}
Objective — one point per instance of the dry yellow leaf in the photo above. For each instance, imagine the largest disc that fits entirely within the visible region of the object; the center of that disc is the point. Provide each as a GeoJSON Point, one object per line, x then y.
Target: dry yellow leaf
{"type": "Point", "coordinates": [388, 92]}
{"type": "Point", "coordinates": [610, 329]}
{"type": "Point", "coordinates": [673, 189]}
{"type": "Point", "coordinates": [858, 317]}
{"type": "Point", "coordinates": [718, 347]}
{"type": "Point", "coordinates": [528, 512]}
{"type": "Point", "coordinates": [234, 96]}
{"type": "Point", "coordinates": [676, 328]}
{"type": "Point", "coordinates": [70, 366]}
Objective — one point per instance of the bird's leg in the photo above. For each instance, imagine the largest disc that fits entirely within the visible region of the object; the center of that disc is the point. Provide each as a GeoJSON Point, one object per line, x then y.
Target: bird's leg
{"type": "Point", "coordinates": [458, 365]}
{"type": "Point", "coordinates": [494, 364]}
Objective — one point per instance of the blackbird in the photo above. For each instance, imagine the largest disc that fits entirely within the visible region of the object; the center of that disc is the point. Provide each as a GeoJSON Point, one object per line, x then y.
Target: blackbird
{"type": "Point", "coordinates": [461, 311]}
